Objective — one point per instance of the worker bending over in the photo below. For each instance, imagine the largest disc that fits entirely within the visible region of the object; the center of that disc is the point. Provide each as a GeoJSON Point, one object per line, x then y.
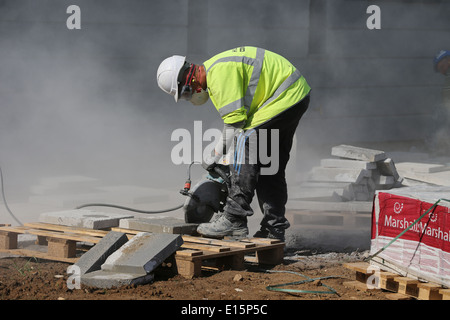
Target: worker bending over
{"type": "Point", "coordinates": [252, 89]}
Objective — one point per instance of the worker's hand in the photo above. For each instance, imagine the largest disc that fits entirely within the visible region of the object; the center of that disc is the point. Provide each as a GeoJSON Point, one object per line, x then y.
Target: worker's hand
{"type": "Point", "coordinates": [209, 164]}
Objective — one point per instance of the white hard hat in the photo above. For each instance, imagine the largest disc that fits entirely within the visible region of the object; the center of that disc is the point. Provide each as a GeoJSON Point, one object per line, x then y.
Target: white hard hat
{"type": "Point", "coordinates": [167, 75]}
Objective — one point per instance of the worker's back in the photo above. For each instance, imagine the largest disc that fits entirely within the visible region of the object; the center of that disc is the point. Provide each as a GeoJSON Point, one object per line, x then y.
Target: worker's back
{"type": "Point", "coordinates": [253, 85]}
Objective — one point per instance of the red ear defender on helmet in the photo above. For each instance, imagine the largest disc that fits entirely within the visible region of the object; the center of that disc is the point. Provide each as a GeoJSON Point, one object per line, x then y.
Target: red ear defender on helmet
{"type": "Point", "coordinates": [186, 90]}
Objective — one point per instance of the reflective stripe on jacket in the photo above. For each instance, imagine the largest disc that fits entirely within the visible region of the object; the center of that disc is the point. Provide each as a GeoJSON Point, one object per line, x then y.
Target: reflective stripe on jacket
{"type": "Point", "coordinates": [253, 85]}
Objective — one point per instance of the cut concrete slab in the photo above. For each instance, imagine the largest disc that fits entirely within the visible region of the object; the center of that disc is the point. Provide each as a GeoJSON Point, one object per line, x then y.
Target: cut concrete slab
{"type": "Point", "coordinates": [93, 259]}
{"type": "Point", "coordinates": [83, 218]}
{"type": "Point", "coordinates": [347, 163]}
{"type": "Point", "coordinates": [357, 153]}
{"type": "Point", "coordinates": [338, 174]}
{"type": "Point", "coordinates": [143, 253]}
{"type": "Point", "coordinates": [387, 167]}
{"type": "Point", "coordinates": [159, 225]}
{"type": "Point", "coordinates": [437, 178]}
{"type": "Point", "coordinates": [106, 280]}
{"type": "Point", "coordinates": [422, 167]}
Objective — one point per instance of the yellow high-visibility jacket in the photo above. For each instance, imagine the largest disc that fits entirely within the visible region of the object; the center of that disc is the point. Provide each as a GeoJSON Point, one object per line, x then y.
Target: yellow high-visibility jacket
{"type": "Point", "coordinates": [253, 85]}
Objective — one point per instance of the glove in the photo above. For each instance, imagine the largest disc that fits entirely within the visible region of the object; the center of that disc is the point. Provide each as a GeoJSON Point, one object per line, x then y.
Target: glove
{"type": "Point", "coordinates": [215, 177]}
{"type": "Point", "coordinates": [209, 164]}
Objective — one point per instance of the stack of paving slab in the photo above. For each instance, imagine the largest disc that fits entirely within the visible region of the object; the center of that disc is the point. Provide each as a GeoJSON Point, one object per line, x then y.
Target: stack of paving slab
{"type": "Point", "coordinates": [353, 174]}
{"type": "Point", "coordinates": [116, 261]}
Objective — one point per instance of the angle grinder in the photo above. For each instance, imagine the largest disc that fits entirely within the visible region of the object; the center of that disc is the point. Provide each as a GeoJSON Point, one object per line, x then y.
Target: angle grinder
{"type": "Point", "coordinates": [208, 196]}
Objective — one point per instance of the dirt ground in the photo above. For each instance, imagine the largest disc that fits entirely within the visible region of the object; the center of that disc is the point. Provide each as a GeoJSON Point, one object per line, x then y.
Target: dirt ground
{"type": "Point", "coordinates": [24, 278]}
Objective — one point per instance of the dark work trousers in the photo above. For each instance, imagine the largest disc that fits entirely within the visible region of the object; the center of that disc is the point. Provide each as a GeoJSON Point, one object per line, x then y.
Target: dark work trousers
{"type": "Point", "coordinates": [250, 170]}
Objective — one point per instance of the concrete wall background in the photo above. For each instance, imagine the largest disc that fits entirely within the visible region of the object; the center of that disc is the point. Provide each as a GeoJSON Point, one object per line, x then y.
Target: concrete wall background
{"type": "Point", "coordinates": [86, 101]}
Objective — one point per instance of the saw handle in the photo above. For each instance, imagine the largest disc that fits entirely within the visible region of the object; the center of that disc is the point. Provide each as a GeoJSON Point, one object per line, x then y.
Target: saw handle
{"type": "Point", "coordinates": [187, 185]}
{"type": "Point", "coordinates": [222, 174]}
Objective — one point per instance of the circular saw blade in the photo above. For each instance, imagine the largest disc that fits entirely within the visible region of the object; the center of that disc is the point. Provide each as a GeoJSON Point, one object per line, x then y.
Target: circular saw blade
{"type": "Point", "coordinates": [207, 198]}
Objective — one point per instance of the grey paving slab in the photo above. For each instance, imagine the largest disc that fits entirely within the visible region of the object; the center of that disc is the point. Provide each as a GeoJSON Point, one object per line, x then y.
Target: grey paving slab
{"type": "Point", "coordinates": [357, 153]}
{"type": "Point", "coordinates": [347, 163]}
{"type": "Point", "coordinates": [93, 259]}
{"type": "Point", "coordinates": [143, 253]}
{"type": "Point", "coordinates": [83, 218]}
{"type": "Point", "coordinates": [107, 279]}
{"type": "Point", "coordinates": [422, 167]}
{"type": "Point", "coordinates": [338, 174]}
{"type": "Point", "coordinates": [159, 225]}
{"type": "Point", "coordinates": [387, 167]}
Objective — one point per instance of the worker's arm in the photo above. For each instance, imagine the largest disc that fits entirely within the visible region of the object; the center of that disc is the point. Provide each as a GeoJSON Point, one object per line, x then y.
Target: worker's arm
{"type": "Point", "coordinates": [223, 145]}
{"type": "Point", "coordinates": [228, 133]}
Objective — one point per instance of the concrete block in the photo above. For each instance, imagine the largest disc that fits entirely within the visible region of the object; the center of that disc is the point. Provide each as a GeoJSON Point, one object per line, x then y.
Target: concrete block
{"type": "Point", "coordinates": [422, 167]}
{"type": "Point", "coordinates": [159, 225]}
{"type": "Point", "coordinates": [358, 192]}
{"type": "Point", "coordinates": [363, 196]}
{"type": "Point", "coordinates": [347, 163]}
{"type": "Point", "coordinates": [93, 259]}
{"type": "Point", "coordinates": [143, 253]}
{"type": "Point", "coordinates": [370, 183]}
{"type": "Point", "coordinates": [106, 280]}
{"type": "Point", "coordinates": [357, 153]}
{"type": "Point", "coordinates": [338, 174]}
{"type": "Point", "coordinates": [437, 178]}
{"type": "Point", "coordinates": [383, 182]}
{"type": "Point", "coordinates": [387, 167]}
{"type": "Point", "coordinates": [83, 218]}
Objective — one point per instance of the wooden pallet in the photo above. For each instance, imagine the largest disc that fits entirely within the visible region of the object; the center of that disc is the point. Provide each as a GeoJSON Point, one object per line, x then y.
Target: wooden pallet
{"type": "Point", "coordinates": [198, 253]}
{"type": "Point", "coordinates": [61, 241]}
{"type": "Point", "coordinates": [329, 220]}
{"type": "Point", "coordinates": [195, 253]}
{"type": "Point", "coordinates": [225, 254]}
{"type": "Point", "coordinates": [402, 287]}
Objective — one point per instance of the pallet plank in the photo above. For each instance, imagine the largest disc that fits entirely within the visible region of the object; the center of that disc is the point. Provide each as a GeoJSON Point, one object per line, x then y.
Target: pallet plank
{"type": "Point", "coordinates": [231, 243]}
{"type": "Point", "coordinates": [54, 234]}
{"type": "Point", "coordinates": [67, 229]}
{"type": "Point", "coordinates": [401, 286]}
{"type": "Point", "coordinates": [40, 255]}
{"type": "Point", "coordinates": [204, 247]}
{"type": "Point", "coordinates": [445, 294]}
{"type": "Point", "coordinates": [429, 291]}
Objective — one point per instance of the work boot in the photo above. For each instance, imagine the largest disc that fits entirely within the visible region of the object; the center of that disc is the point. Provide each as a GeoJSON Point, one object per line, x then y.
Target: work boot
{"type": "Point", "coordinates": [224, 226]}
{"type": "Point", "coordinates": [270, 233]}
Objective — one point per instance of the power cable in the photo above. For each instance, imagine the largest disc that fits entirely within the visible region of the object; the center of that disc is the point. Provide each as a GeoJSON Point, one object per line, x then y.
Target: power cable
{"type": "Point", "coordinates": [278, 287]}
{"type": "Point", "coordinates": [127, 208]}
{"type": "Point", "coordinates": [4, 199]}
